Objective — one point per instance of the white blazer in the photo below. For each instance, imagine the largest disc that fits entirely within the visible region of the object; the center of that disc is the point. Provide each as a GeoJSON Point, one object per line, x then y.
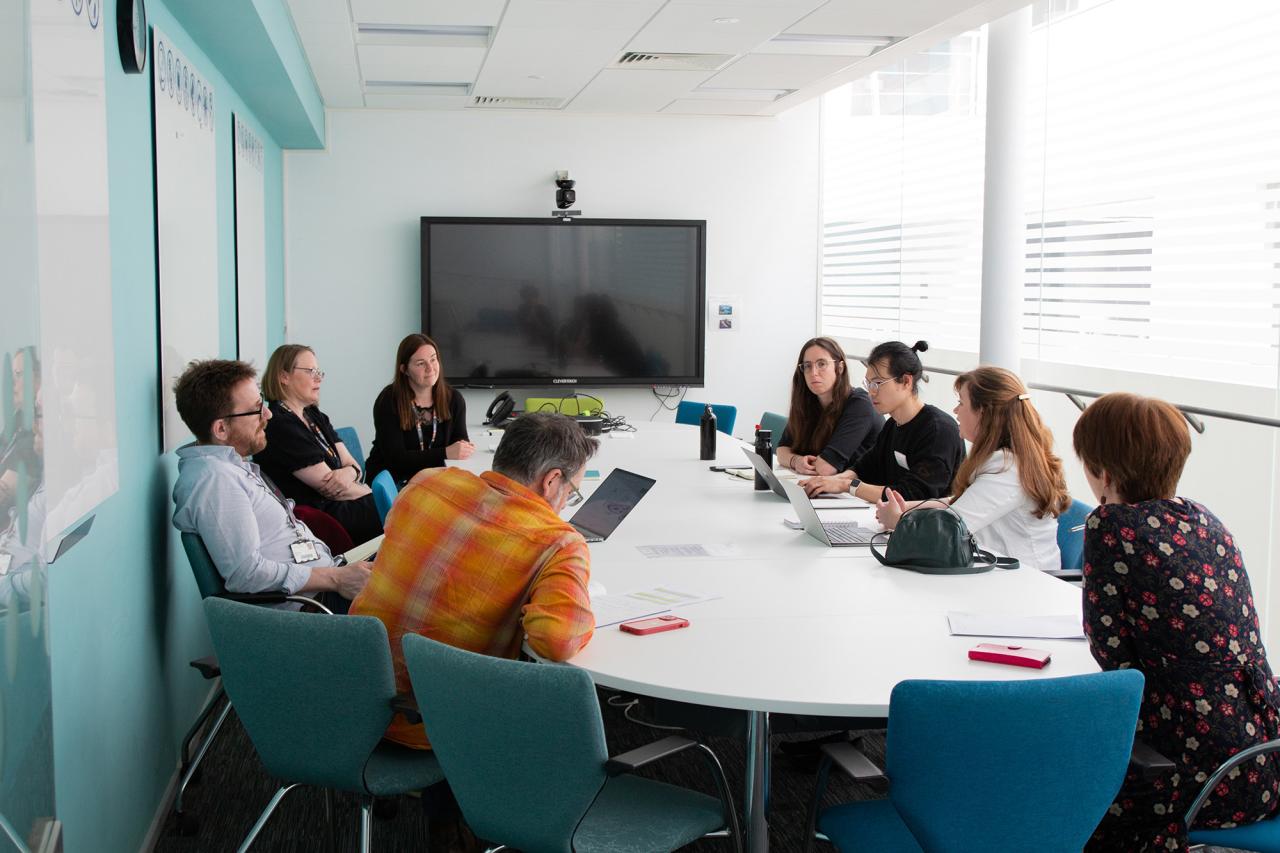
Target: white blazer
{"type": "Point", "coordinates": [999, 515]}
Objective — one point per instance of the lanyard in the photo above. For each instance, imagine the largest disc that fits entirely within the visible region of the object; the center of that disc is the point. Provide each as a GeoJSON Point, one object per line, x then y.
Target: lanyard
{"type": "Point", "coordinates": [279, 498]}
{"type": "Point", "coordinates": [329, 449]}
{"type": "Point", "coordinates": [435, 426]}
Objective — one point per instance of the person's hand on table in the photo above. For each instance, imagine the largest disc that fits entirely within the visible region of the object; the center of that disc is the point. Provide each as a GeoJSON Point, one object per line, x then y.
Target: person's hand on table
{"type": "Point", "coordinates": [888, 511]}
{"type": "Point", "coordinates": [834, 484]}
{"type": "Point", "coordinates": [459, 450]}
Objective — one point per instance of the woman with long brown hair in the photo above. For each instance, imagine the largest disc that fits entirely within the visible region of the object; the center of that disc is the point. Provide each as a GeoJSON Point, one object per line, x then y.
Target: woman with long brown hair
{"type": "Point", "coordinates": [1010, 488]}
{"type": "Point", "coordinates": [830, 425]}
{"type": "Point", "coordinates": [419, 420]}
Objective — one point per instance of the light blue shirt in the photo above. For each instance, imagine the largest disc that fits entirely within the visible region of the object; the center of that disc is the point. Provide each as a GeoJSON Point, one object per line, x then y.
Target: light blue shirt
{"type": "Point", "coordinates": [245, 526]}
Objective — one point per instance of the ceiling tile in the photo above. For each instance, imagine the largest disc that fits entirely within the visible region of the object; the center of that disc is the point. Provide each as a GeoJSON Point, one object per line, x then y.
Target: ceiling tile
{"type": "Point", "coordinates": [429, 64]}
{"type": "Point", "coordinates": [415, 101]}
{"type": "Point", "coordinates": [878, 19]}
{"type": "Point", "coordinates": [624, 91]}
{"type": "Point", "coordinates": [713, 108]}
{"type": "Point", "coordinates": [331, 52]}
{"type": "Point", "coordinates": [692, 28]}
{"type": "Point", "coordinates": [427, 12]}
{"type": "Point", "coordinates": [333, 11]}
{"type": "Point", "coordinates": [777, 72]}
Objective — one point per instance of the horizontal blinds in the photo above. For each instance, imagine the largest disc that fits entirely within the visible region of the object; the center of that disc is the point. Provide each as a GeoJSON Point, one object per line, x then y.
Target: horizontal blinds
{"type": "Point", "coordinates": [1152, 238]}
{"type": "Point", "coordinates": [902, 199]}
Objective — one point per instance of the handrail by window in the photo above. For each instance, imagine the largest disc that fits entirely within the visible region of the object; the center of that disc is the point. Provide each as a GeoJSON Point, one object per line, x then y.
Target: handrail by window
{"type": "Point", "coordinates": [1077, 395]}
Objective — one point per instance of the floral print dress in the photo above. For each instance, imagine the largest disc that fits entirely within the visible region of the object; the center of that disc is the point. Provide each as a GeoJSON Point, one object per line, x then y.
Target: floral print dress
{"type": "Point", "coordinates": [1166, 592]}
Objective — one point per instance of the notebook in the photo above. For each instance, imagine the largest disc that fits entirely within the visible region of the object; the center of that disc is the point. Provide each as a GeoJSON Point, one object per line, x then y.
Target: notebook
{"type": "Point", "coordinates": [611, 502]}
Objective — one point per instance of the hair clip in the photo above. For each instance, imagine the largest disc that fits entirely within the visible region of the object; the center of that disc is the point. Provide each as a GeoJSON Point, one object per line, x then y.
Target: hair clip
{"type": "Point", "coordinates": [1024, 396]}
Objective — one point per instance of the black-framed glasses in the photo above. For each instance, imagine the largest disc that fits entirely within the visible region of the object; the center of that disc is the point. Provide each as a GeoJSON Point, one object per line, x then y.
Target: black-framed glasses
{"type": "Point", "coordinates": [262, 407]}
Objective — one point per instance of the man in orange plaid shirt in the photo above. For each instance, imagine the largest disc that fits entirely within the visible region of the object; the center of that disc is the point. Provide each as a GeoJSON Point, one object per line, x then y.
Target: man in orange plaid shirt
{"type": "Point", "coordinates": [484, 563]}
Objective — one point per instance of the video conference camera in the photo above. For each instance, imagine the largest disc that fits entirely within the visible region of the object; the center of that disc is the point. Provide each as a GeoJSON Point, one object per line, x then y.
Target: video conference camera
{"type": "Point", "coordinates": [565, 195]}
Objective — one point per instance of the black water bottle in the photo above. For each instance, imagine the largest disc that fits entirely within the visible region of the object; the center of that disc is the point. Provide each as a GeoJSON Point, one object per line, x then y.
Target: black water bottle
{"type": "Point", "coordinates": [764, 449]}
{"type": "Point", "coordinates": [707, 426]}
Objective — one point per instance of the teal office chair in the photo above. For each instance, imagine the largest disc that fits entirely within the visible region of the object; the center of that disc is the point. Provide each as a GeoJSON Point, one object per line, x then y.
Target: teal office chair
{"type": "Point", "coordinates": [318, 719]}
{"type": "Point", "coordinates": [689, 412]}
{"type": "Point", "coordinates": [211, 585]}
{"type": "Point", "coordinates": [384, 493]}
{"type": "Point", "coordinates": [775, 423]}
{"type": "Point", "coordinates": [989, 765]}
{"type": "Point", "coordinates": [1071, 540]}
{"type": "Point", "coordinates": [523, 747]}
{"type": "Point", "coordinates": [1263, 836]}
{"type": "Point", "coordinates": [349, 437]}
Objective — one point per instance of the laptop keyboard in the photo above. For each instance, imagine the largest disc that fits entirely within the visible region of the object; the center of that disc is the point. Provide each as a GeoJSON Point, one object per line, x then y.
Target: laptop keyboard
{"type": "Point", "coordinates": [848, 534]}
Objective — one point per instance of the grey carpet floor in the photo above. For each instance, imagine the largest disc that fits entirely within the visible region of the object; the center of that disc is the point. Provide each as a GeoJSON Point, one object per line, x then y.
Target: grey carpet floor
{"type": "Point", "coordinates": [233, 789]}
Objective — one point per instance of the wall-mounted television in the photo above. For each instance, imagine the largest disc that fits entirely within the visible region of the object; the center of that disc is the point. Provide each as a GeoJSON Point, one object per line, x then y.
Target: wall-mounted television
{"type": "Point", "coordinates": [588, 302]}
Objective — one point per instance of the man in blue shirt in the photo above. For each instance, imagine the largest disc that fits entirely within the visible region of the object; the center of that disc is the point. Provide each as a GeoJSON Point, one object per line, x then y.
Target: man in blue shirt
{"type": "Point", "coordinates": [248, 526]}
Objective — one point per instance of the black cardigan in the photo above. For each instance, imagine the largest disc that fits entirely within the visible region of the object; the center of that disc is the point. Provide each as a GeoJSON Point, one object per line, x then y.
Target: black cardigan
{"type": "Point", "coordinates": [396, 450]}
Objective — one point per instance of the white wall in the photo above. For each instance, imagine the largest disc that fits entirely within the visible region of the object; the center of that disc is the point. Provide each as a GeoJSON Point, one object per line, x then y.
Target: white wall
{"type": "Point", "coordinates": [352, 246]}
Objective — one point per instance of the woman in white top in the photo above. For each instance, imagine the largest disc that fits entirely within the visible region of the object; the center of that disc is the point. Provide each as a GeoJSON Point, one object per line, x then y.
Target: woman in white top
{"type": "Point", "coordinates": [1010, 488]}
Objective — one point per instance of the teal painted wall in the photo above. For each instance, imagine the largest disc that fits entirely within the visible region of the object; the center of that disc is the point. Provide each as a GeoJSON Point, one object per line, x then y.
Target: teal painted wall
{"type": "Point", "coordinates": [125, 612]}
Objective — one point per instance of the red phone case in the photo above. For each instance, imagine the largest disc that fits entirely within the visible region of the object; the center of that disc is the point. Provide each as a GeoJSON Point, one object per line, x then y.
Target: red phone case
{"type": "Point", "coordinates": [654, 625]}
{"type": "Point", "coordinates": [1011, 655]}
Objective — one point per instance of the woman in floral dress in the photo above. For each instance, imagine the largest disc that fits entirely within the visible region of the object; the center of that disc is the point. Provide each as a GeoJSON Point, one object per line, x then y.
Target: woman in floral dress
{"type": "Point", "coordinates": [1166, 593]}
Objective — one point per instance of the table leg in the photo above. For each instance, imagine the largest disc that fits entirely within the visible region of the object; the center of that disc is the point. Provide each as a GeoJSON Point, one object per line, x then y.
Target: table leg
{"type": "Point", "coordinates": [757, 793]}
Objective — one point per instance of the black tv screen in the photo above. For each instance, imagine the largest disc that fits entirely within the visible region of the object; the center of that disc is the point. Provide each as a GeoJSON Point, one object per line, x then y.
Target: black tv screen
{"type": "Point", "coordinates": [540, 302]}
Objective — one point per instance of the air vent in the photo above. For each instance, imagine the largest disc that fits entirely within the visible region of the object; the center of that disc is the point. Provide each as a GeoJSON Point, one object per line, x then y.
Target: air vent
{"type": "Point", "coordinates": [494, 102]}
{"type": "Point", "coordinates": [672, 61]}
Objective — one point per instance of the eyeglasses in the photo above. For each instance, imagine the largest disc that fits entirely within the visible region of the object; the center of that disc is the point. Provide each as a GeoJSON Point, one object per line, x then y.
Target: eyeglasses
{"type": "Point", "coordinates": [810, 366]}
{"type": "Point", "coordinates": [262, 407]}
{"type": "Point", "coordinates": [575, 496]}
{"type": "Point", "coordinates": [873, 385]}
{"type": "Point", "coordinates": [316, 373]}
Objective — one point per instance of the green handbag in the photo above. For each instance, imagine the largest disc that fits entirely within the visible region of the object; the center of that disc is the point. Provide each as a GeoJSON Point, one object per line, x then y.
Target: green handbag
{"type": "Point", "coordinates": [936, 541]}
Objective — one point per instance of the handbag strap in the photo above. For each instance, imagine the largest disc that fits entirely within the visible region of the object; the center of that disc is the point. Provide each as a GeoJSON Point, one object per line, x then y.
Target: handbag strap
{"type": "Point", "coordinates": [989, 559]}
{"type": "Point", "coordinates": [872, 545]}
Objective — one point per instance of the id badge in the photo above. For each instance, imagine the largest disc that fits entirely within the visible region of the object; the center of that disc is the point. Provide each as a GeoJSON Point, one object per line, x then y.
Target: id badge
{"type": "Point", "coordinates": [901, 459]}
{"type": "Point", "coordinates": [304, 551]}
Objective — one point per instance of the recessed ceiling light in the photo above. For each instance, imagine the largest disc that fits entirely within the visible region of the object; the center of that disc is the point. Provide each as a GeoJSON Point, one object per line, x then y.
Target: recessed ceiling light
{"type": "Point", "coordinates": [726, 20]}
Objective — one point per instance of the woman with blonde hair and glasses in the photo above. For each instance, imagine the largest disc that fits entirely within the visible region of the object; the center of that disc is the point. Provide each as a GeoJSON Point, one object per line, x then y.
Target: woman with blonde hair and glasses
{"type": "Point", "coordinates": [1010, 489]}
{"type": "Point", "coordinates": [304, 456]}
{"type": "Point", "coordinates": [830, 424]}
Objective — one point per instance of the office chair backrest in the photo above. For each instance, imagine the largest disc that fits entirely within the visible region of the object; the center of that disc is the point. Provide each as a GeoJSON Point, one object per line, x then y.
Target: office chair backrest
{"type": "Point", "coordinates": [349, 437]}
{"type": "Point", "coordinates": [326, 528]}
{"type": "Point", "coordinates": [313, 692]}
{"type": "Point", "coordinates": [689, 412]}
{"type": "Point", "coordinates": [1010, 765]}
{"type": "Point", "coordinates": [775, 423]}
{"type": "Point", "coordinates": [208, 580]}
{"type": "Point", "coordinates": [384, 493]}
{"type": "Point", "coordinates": [521, 744]}
{"type": "Point", "coordinates": [1071, 543]}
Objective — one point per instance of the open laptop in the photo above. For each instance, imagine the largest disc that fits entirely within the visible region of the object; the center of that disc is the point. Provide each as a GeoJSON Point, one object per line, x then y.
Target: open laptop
{"type": "Point", "coordinates": [834, 533]}
{"type": "Point", "coordinates": [612, 500]}
{"type": "Point", "coordinates": [763, 469]}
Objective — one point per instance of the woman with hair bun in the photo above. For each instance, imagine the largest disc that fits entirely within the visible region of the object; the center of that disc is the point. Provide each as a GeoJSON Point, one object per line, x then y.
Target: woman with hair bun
{"type": "Point", "coordinates": [919, 449]}
{"type": "Point", "coordinates": [1010, 489]}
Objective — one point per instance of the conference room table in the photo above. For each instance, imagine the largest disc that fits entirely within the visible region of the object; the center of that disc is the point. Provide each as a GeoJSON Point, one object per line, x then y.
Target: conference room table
{"type": "Point", "coordinates": [787, 624]}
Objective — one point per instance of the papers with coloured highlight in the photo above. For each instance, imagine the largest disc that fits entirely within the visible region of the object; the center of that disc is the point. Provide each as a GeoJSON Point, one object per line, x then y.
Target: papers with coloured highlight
{"type": "Point", "coordinates": [1067, 626]}
{"type": "Point", "coordinates": [689, 550]}
{"type": "Point", "coordinates": [612, 609]}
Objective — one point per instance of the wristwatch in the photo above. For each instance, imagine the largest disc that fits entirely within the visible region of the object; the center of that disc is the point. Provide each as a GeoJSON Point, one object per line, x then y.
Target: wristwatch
{"type": "Point", "coordinates": [853, 485]}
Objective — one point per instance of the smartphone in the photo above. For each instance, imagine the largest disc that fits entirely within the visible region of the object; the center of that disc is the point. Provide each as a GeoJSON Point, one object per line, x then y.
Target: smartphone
{"type": "Point", "coordinates": [1010, 655]}
{"type": "Point", "coordinates": [730, 467]}
{"type": "Point", "coordinates": [654, 624]}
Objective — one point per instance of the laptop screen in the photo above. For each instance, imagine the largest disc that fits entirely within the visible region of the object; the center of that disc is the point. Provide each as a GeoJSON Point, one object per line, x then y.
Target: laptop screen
{"type": "Point", "coordinates": [610, 503]}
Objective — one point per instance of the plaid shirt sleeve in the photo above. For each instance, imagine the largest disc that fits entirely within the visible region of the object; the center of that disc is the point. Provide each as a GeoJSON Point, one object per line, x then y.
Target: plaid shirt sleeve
{"type": "Point", "coordinates": [558, 620]}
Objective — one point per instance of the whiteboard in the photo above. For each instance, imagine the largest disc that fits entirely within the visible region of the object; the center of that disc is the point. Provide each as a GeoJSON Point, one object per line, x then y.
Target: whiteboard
{"type": "Point", "coordinates": [251, 246]}
{"type": "Point", "coordinates": [73, 256]}
{"type": "Point", "coordinates": [186, 220]}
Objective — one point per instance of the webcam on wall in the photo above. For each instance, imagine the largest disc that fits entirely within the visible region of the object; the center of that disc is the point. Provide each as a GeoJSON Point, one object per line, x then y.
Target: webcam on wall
{"type": "Point", "coordinates": [565, 196]}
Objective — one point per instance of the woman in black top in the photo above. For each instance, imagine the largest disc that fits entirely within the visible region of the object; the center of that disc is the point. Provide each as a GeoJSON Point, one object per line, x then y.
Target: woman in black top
{"type": "Point", "coordinates": [419, 421]}
{"type": "Point", "coordinates": [919, 449]}
{"type": "Point", "coordinates": [830, 425]}
{"type": "Point", "coordinates": [304, 456]}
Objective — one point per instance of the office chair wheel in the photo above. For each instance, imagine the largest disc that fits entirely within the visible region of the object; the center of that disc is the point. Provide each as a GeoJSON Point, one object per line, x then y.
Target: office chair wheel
{"type": "Point", "coordinates": [185, 824]}
{"type": "Point", "coordinates": [386, 808]}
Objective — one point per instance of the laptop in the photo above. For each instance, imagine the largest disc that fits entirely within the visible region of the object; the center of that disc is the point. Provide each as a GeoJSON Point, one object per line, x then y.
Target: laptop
{"type": "Point", "coordinates": [611, 502]}
{"type": "Point", "coordinates": [766, 472]}
{"type": "Point", "coordinates": [837, 534]}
